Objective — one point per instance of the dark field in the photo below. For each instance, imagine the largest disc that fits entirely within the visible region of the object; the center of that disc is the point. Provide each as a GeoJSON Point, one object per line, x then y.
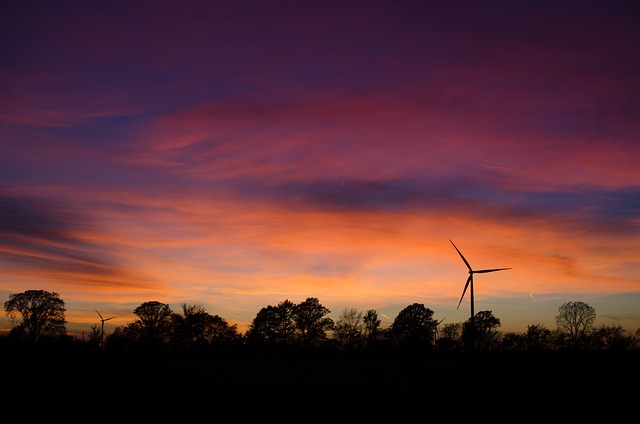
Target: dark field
{"type": "Point", "coordinates": [316, 388]}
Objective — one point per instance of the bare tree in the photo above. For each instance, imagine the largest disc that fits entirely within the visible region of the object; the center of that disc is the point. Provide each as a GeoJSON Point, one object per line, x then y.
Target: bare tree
{"type": "Point", "coordinates": [610, 337]}
{"type": "Point", "coordinates": [349, 328]}
{"type": "Point", "coordinates": [575, 318]}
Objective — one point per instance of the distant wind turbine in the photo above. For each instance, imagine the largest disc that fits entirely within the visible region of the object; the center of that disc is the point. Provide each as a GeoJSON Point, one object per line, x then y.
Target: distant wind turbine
{"type": "Point", "coordinates": [435, 327]}
{"type": "Point", "coordinates": [102, 330]}
{"type": "Point", "coordinates": [470, 281]}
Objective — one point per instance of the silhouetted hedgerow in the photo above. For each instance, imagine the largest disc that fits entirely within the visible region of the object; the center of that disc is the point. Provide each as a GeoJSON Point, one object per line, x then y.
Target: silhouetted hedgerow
{"type": "Point", "coordinates": [303, 328]}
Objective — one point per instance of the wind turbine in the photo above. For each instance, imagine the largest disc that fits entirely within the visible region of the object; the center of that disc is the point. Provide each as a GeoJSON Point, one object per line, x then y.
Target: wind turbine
{"type": "Point", "coordinates": [470, 281]}
{"type": "Point", "coordinates": [435, 327]}
{"type": "Point", "coordinates": [102, 330]}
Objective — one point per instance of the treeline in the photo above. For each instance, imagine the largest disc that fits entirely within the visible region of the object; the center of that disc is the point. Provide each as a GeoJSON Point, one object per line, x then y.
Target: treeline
{"type": "Point", "coordinates": [38, 319]}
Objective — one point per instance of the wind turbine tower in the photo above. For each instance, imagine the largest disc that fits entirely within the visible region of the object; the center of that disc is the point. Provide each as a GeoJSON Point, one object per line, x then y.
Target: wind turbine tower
{"type": "Point", "coordinates": [469, 283]}
{"type": "Point", "coordinates": [102, 330]}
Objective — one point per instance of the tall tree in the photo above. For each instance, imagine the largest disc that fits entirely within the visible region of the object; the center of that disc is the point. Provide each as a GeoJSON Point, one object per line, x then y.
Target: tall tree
{"type": "Point", "coordinates": [42, 314]}
{"type": "Point", "coordinates": [273, 325]}
{"type": "Point", "coordinates": [480, 333]}
{"type": "Point", "coordinates": [486, 326]}
{"type": "Point", "coordinates": [371, 326]}
{"type": "Point", "coordinates": [155, 323]}
{"type": "Point", "coordinates": [576, 318]}
{"type": "Point", "coordinates": [414, 326]}
{"type": "Point", "coordinates": [312, 323]}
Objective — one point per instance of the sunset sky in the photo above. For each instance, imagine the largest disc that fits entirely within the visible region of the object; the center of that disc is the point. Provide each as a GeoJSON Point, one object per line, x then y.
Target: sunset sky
{"type": "Point", "coordinates": [236, 154]}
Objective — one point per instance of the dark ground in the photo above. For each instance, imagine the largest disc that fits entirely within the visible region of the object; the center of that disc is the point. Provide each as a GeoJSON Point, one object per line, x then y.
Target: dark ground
{"type": "Point", "coordinates": [306, 388]}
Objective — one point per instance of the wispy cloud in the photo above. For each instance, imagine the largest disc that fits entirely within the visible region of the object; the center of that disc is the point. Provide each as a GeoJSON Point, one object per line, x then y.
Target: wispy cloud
{"type": "Point", "coordinates": [239, 155]}
{"type": "Point", "coordinates": [44, 238]}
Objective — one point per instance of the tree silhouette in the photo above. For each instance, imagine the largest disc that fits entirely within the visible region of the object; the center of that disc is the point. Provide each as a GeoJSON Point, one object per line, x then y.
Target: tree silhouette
{"type": "Point", "coordinates": [125, 338]}
{"type": "Point", "coordinates": [349, 329]}
{"type": "Point", "coordinates": [197, 329]}
{"type": "Point", "coordinates": [511, 342]}
{"type": "Point", "coordinates": [306, 325]}
{"type": "Point", "coordinates": [414, 326]}
{"type": "Point", "coordinates": [538, 338]}
{"type": "Point", "coordinates": [42, 314]}
{"type": "Point", "coordinates": [487, 335]}
{"type": "Point", "coordinates": [480, 333]}
{"type": "Point", "coordinates": [94, 338]}
{"type": "Point", "coordinates": [311, 322]}
{"type": "Point", "coordinates": [273, 325]}
{"type": "Point", "coordinates": [575, 318]}
{"type": "Point", "coordinates": [609, 337]}
{"type": "Point", "coordinates": [450, 337]}
{"type": "Point", "coordinates": [154, 323]}
{"type": "Point", "coordinates": [372, 330]}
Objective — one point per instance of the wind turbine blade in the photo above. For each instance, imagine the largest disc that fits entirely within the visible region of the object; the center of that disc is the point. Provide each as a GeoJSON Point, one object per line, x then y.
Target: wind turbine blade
{"type": "Point", "coordinates": [465, 289]}
{"type": "Point", "coordinates": [99, 314]}
{"type": "Point", "coordinates": [490, 270]}
{"type": "Point", "coordinates": [107, 319]}
{"type": "Point", "coordinates": [459, 253]}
